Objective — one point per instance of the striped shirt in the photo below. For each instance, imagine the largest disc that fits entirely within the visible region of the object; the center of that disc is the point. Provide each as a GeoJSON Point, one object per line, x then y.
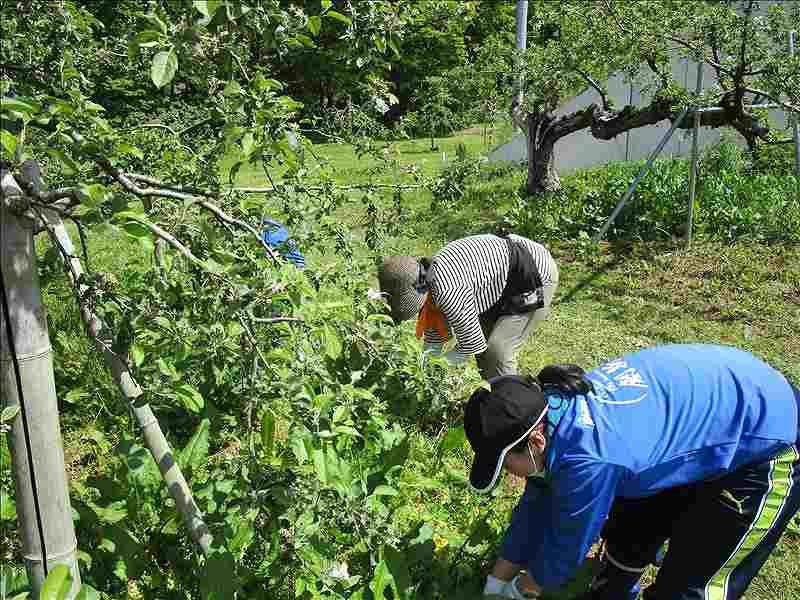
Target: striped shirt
{"type": "Point", "coordinates": [467, 278]}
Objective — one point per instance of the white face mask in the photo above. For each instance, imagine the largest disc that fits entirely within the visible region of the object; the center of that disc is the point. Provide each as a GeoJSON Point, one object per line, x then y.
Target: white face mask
{"type": "Point", "coordinates": [536, 472]}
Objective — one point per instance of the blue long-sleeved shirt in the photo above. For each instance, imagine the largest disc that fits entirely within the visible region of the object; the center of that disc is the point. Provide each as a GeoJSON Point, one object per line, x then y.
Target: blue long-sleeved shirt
{"type": "Point", "coordinates": [658, 418]}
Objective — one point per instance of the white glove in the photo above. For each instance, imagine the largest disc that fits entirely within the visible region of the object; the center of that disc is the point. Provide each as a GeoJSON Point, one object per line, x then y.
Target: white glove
{"type": "Point", "coordinates": [455, 358]}
{"type": "Point", "coordinates": [497, 588]}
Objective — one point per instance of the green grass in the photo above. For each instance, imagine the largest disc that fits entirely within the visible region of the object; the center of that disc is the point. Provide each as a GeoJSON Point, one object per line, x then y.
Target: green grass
{"type": "Point", "coordinates": [616, 301]}
{"type": "Point", "coordinates": [348, 167]}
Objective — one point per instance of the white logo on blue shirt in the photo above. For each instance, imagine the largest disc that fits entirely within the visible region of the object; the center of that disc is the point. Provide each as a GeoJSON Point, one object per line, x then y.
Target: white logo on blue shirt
{"type": "Point", "coordinates": [617, 377]}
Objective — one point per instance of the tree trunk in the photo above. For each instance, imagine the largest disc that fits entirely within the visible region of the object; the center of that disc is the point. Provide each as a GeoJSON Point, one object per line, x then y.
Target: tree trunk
{"type": "Point", "coordinates": [542, 174]}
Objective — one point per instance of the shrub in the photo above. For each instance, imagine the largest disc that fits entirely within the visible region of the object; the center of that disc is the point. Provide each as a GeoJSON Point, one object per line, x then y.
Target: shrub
{"type": "Point", "coordinates": [737, 198]}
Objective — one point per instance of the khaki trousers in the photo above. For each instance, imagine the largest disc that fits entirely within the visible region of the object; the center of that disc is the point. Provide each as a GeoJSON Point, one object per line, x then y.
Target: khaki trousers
{"type": "Point", "coordinates": [507, 334]}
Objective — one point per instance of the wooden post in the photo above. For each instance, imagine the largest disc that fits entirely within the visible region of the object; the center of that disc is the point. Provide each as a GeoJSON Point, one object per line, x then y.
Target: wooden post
{"type": "Point", "coordinates": [40, 480]}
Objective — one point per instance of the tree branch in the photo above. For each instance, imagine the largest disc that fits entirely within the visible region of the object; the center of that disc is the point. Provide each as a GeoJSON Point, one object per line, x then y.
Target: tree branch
{"type": "Point", "coordinates": [170, 239]}
{"type": "Point", "coordinates": [276, 320]}
{"type": "Point", "coordinates": [651, 63]}
{"type": "Point", "coordinates": [699, 52]}
{"type": "Point", "coordinates": [126, 181]}
{"type": "Point", "coordinates": [118, 366]}
{"type": "Point", "coordinates": [596, 86]}
{"type": "Point", "coordinates": [185, 189]}
{"type": "Point", "coordinates": [786, 105]}
{"type": "Point", "coordinates": [228, 220]}
{"type": "Point", "coordinates": [153, 125]}
{"type": "Point", "coordinates": [571, 123]}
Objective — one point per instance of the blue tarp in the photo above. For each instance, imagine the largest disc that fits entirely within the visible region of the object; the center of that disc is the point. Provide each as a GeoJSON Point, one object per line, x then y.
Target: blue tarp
{"type": "Point", "coordinates": [276, 236]}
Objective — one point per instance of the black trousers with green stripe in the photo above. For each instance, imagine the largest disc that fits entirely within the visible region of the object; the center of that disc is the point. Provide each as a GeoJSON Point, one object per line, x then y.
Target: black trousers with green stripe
{"type": "Point", "coordinates": [720, 533]}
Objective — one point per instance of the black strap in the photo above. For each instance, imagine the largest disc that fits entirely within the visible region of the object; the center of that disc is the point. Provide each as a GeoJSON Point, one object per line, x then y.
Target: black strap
{"type": "Point", "coordinates": [523, 274]}
{"type": "Point", "coordinates": [523, 279]}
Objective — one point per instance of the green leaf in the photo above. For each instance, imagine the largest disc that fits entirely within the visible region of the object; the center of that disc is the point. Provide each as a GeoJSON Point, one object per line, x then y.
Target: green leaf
{"type": "Point", "coordinates": [9, 412]}
{"type": "Point", "coordinates": [326, 4]}
{"type": "Point", "coordinates": [13, 104]}
{"type": "Point", "coordinates": [454, 439]}
{"type": "Point", "coordinates": [137, 355]}
{"type": "Point", "coordinates": [268, 432]}
{"type": "Point", "coordinates": [248, 144]}
{"type": "Point", "coordinates": [305, 40]}
{"type": "Point", "coordinates": [195, 452]}
{"type": "Point", "coordinates": [232, 89]}
{"type": "Point", "coordinates": [321, 465]}
{"type": "Point", "coordinates": [164, 67]}
{"type": "Point", "coordinates": [314, 24]}
{"type": "Point", "coordinates": [131, 150]}
{"type": "Point", "coordinates": [207, 8]}
{"type": "Point", "coordinates": [113, 513]}
{"type": "Point", "coordinates": [147, 39]}
{"type": "Point", "coordinates": [218, 581]}
{"type": "Point", "coordinates": [75, 395]}
{"type": "Point", "coordinates": [87, 592]}
{"type": "Point", "coordinates": [381, 580]}
{"type": "Point", "coordinates": [339, 17]}
{"type": "Point", "coordinates": [298, 446]}
{"type": "Point", "coordinates": [243, 536]}
{"type": "Point", "coordinates": [398, 566]}
{"type": "Point", "coordinates": [8, 508]}
{"type": "Point", "coordinates": [333, 345]}
{"type": "Point", "coordinates": [191, 398]}
{"type": "Point", "coordinates": [69, 165]}
{"type": "Point", "coordinates": [8, 141]}
{"type": "Point", "coordinates": [385, 490]}
{"type": "Point", "coordinates": [57, 584]}
{"type": "Point", "coordinates": [153, 19]}
{"type": "Point", "coordinates": [136, 230]}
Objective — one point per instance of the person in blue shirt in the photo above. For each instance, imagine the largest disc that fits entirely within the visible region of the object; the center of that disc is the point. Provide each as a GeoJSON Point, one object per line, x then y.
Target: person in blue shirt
{"type": "Point", "coordinates": [274, 235]}
{"type": "Point", "coordinates": [694, 444]}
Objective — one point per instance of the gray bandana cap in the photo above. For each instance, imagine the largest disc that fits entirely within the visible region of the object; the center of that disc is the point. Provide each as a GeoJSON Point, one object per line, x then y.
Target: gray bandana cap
{"type": "Point", "coordinates": [398, 276]}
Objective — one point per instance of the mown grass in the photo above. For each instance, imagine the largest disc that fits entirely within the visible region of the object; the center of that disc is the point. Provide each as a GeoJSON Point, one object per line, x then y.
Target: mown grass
{"type": "Point", "coordinates": [349, 166]}
{"type": "Point", "coordinates": [625, 297]}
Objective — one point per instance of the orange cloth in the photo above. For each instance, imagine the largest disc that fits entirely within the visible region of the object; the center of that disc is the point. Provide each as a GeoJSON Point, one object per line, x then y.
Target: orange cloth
{"type": "Point", "coordinates": [431, 317]}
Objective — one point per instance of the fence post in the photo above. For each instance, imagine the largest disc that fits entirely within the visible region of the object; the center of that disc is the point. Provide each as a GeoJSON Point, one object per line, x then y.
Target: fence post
{"type": "Point", "coordinates": [519, 75]}
{"type": "Point", "coordinates": [795, 118]}
{"type": "Point", "coordinates": [40, 480]}
{"type": "Point", "coordinates": [695, 134]}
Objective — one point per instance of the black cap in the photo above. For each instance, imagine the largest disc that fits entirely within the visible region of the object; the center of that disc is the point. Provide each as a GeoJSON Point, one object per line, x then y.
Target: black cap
{"type": "Point", "coordinates": [496, 421]}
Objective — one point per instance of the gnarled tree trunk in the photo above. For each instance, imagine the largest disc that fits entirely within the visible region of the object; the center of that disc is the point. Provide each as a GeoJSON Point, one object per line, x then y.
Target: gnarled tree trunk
{"type": "Point", "coordinates": [542, 174]}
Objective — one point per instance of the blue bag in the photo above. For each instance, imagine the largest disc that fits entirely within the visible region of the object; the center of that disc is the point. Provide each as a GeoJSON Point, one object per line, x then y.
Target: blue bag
{"type": "Point", "coordinates": [276, 236]}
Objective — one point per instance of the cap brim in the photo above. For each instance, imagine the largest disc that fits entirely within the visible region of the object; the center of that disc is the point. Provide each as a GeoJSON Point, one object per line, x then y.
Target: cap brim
{"type": "Point", "coordinates": [486, 467]}
{"type": "Point", "coordinates": [405, 305]}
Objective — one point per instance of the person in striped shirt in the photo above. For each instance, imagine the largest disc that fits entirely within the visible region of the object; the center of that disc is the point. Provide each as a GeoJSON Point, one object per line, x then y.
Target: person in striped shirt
{"type": "Point", "coordinates": [488, 291]}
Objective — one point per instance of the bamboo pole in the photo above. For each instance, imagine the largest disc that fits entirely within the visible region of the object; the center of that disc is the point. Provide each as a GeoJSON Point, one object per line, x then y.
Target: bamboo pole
{"type": "Point", "coordinates": [102, 338]}
{"type": "Point", "coordinates": [26, 365]}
